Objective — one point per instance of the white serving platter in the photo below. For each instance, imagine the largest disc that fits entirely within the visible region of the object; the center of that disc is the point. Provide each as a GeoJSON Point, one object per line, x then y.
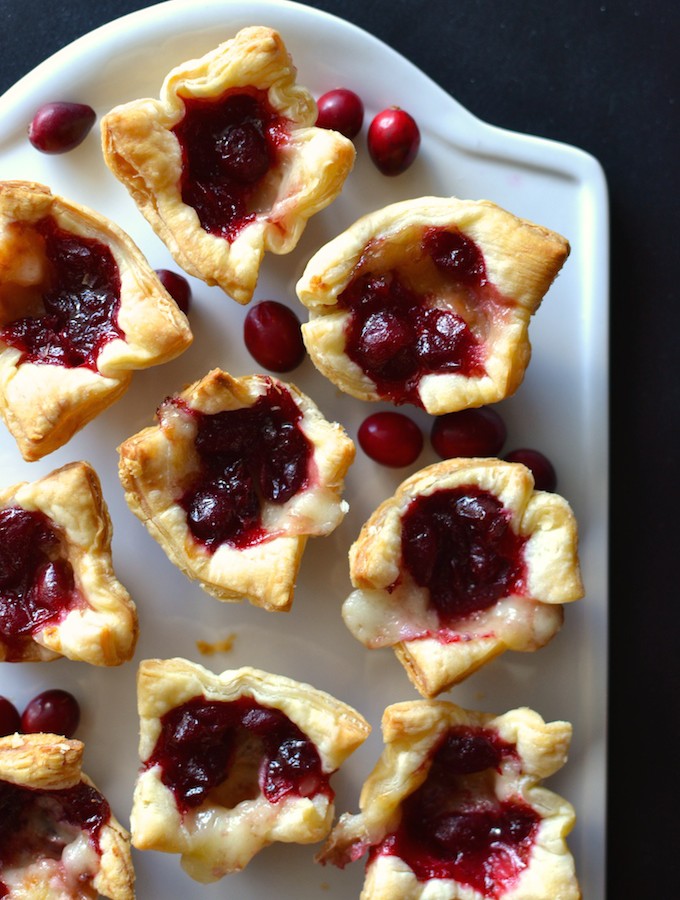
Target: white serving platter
{"type": "Point", "coordinates": [561, 409]}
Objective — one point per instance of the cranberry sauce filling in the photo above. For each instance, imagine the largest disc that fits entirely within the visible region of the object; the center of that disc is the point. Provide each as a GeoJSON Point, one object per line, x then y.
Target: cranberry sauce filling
{"type": "Point", "coordinates": [30, 821]}
{"type": "Point", "coordinates": [81, 300]}
{"type": "Point", "coordinates": [36, 585]}
{"type": "Point", "coordinates": [397, 336]}
{"type": "Point", "coordinates": [453, 825]}
{"type": "Point", "coordinates": [229, 144]}
{"type": "Point", "coordinates": [204, 744]}
{"type": "Point", "coordinates": [459, 544]}
{"type": "Point", "coordinates": [249, 456]}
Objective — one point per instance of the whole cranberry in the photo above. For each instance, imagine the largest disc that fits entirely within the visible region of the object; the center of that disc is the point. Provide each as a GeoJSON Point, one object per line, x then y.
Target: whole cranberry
{"type": "Point", "coordinates": [545, 477]}
{"type": "Point", "coordinates": [391, 439]}
{"type": "Point", "coordinates": [341, 110]}
{"type": "Point", "coordinates": [60, 126]}
{"type": "Point", "coordinates": [10, 721]}
{"type": "Point", "coordinates": [272, 335]}
{"type": "Point", "coordinates": [55, 711]}
{"type": "Point", "coordinates": [468, 432]}
{"type": "Point", "coordinates": [177, 286]}
{"type": "Point", "coordinates": [393, 140]}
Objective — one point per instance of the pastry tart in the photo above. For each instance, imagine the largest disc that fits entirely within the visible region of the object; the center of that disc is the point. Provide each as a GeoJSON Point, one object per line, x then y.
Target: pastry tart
{"type": "Point", "coordinates": [233, 762]}
{"type": "Point", "coordinates": [58, 836]}
{"type": "Point", "coordinates": [454, 808]}
{"type": "Point", "coordinates": [228, 163]}
{"type": "Point", "coordinates": [464, 561]}
{"type": "Point", "coordinates": [232, 481]}
{"type": "Point", "coordinates": [59, 595]}
{"type": "Point", "coordinates": [80, 308]}
{"type": "Point", "coordinates": [428, 301]}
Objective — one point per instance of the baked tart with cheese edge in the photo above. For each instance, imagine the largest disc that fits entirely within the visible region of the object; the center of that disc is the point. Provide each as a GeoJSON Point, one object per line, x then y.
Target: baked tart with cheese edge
{"type": "Point", "coordinates": [464, 561]}
{"type": "Point", "coordinates": [80, 309]}
{"type": "Point", "coordinates": [58, 835]}
{"type": "Point", "coordinates": [454, 808]}
{"type": "Point", "coordinates": [234, 762]}
{"type": "Point", "coordinates": [228, 164]}
{"type": "Point", "coordinates": [428, 301]}
{"type": "Point", "coordinates": [59, 594]}
{"type": "Point", "coordinates": [232, 481]}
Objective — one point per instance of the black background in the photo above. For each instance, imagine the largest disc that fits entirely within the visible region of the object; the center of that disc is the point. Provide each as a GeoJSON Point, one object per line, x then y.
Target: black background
{"type": "Point", "coordinates": [597, 74]}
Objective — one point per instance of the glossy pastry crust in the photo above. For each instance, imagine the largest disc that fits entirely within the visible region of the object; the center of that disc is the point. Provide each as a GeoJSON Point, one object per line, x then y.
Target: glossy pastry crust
{"type": "Point", "coordinates": [215, 840]}
{"type": "Point", "coordinates": [102, 629]}
{"type": "Point", "coordinates": [381, 614]}
{"type": "Point", "coordinates": [521, 258]}
{"type": "Point", "coordinates": [44, 405]}
{"type": "Point", "coordinates": [411, 732]}
{"type": "Point", "coordinates": [143, 153]}
{"type": "Point", "coordinates": [50, 762]}
{"type": "Point", "coordinates": [155, 464]}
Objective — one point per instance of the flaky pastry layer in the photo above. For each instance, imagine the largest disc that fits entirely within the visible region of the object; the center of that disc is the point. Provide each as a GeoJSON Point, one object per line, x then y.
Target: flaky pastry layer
{"type": "Point", "coordinates": [44, 405]}
{"type": "Point", "coordinates": [143, 153]}
{"type": "Point", "coordinates": [522, 260]}
{"type": "Point", "coordinates": [215, 840]}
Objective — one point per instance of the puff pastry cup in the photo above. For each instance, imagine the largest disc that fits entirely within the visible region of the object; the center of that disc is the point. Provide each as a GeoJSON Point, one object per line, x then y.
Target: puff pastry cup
{"type": "Point", "coordinates": [428, 301]}
{"type": "Point", "coordinates": [464, 561]}
{"type": "Point", "coordinates": [59, 595]}
{"type": "Point", "coordinates": [233, 762]}
{"type": "Point", "coordinates": [58, 836]}
{"type": "Point", "coordinates": [258, 453]}
{"type": "Point", "coordinates": [216, 213]}
{"type": "Point", "coordinates": [454, 808]}
{"type": "Point", "coordinates": [58, 369]}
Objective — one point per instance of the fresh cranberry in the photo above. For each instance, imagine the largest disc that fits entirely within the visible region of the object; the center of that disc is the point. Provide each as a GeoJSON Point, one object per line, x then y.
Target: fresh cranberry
{"type": "Point", "coordinates": [390, 438]}
{"type": "Point", "coordinates": [393, 140]}
{"type": "Point", "coordinates": [341, 110]}
{"type": "Point", "coordinates": [58, 127]}
{"type": "Point", "coordinates": [55, 711]}
{"type": "Point", "coordinates": [10, 720]}
{"type": "Point", "coordinates": [468, 432]}
{"type": "Point", "coordinates": [458, 543]}
{"type": "Point", "coordinates": [272, 335]}
{"type": "Point", "coordinates": [545, 477]}
{"type": "Point", "coordinates": [177, 286]}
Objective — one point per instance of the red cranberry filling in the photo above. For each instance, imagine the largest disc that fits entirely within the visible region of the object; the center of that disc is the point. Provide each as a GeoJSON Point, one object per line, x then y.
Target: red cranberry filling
{"type": "Point", "coordinates": [28, 820]}
{"type": "Point", "coordinates": [453, 826]}
{"type": "Point", "coordinates": [229, 145]}
{"type": "Point", "coordinates": [203, 742]}
{"type": "Point", "coordinates": [458, 543]}
{"type": "Point", "coordinates": [249, 456]}
{"type": "Point", "coordinates": [396, 336]}
{"type": "Point", "coordinates": [81, 300]}
{"type": "Point", "coordinates": [36, 585]}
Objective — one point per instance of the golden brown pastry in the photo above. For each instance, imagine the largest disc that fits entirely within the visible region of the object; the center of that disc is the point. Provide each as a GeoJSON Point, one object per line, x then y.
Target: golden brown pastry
{"type": "Point", "coordinates": [59, 595]}
{"type": "Point", "coordinates": [428, 301]}
{"type": "Point", "coordinates": [58, 836]}
{"type": "Point", "coordinates": [228, 163]}
{"type": "Point", "coordinates": [233, 762]}
{"type": "Point", "coordinates": [464, 561]}
{"type": "Point", "coordinates": [454, 809]}
{"type": "Point", "coordinates": [233, 479]}
{"type": "Point", "coordinates": [80, 308]}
